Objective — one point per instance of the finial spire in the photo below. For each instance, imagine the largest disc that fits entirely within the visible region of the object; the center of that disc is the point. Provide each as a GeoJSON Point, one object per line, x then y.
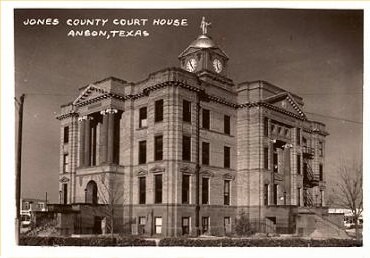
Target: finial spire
{"type": "Point", "coordinates": [204, 25]}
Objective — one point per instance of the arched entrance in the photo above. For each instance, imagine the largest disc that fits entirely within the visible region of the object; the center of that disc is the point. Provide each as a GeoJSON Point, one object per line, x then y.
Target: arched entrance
{"type": "Point", "coordinates": [91, 192]}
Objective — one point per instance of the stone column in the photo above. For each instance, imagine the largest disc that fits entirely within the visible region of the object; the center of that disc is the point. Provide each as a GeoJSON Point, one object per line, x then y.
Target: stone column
{"type": "Point", "coordinates": [110, 145]}
{"type": "Point", "coordinates": [104, 138]}
{"type": "Point", "coordinates": [287, 174]}
{"type": "Point", "coordinates": [82, 125]}
{"type": "Point", "coordinates": [87, 141]}
{"type": "Point", "coordinates": [322, 193]}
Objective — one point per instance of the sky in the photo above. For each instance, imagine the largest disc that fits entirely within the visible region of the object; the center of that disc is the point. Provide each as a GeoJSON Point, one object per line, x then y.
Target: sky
{"type": "Point", "coordinates": [316, 54]}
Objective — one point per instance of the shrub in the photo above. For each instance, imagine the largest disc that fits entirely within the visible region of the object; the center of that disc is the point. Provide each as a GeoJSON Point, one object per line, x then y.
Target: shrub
{"type": "Point", "coordinates": [266, 242]}
{"type": "Point", "coordinates": [84, 241]}
{"type": "Point", "coordinates": [242, 225]}
{"type": "Point", "coordinates": [224, 242]}
{"type": "Point", "coordinates": [33, 241]}
{"type": "Point", "coordinates": [129, 241]}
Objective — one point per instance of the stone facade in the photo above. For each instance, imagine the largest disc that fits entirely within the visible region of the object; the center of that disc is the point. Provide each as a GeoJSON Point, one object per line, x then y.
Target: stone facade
{"type": "Point", "coordinates": [141, 149]}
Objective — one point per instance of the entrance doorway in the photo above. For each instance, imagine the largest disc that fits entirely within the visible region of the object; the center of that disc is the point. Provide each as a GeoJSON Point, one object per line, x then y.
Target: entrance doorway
{"type": "Point", "coordinates": [205, 225]}
{"type": "Point", "coordinates": [270, 225]}
{"type": "Point", "coordinates": [97, 225]}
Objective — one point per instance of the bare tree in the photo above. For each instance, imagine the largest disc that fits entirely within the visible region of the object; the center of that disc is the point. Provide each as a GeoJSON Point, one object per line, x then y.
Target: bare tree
{"type": "Point", "coordinates": [348, 190]}
{"type": "Point", "coordinates": [110, 195]}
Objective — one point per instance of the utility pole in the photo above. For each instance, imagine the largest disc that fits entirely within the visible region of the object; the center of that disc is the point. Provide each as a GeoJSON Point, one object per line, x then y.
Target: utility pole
{"type": "Point", "coordinates": [46, 201]}
{"type": "Point", "coordinates": [19, 168]}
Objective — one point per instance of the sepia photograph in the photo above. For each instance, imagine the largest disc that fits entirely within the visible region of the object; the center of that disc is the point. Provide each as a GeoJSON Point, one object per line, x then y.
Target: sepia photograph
{"type": "Point", "coordinates": [193, 127]}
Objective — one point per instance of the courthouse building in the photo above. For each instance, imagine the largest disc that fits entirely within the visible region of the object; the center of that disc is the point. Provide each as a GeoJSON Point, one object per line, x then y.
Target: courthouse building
{"type": "Point", "coordinates": [188, 151]}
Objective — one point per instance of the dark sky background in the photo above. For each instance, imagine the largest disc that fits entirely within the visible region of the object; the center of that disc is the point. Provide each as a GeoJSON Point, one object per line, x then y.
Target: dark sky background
{"type": "Point", "coordinates": [317, 54]}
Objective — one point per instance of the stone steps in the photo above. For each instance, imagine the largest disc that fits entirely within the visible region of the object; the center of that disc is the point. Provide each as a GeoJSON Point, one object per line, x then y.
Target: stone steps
{"type": "Point", "coordinates": [326, 229]}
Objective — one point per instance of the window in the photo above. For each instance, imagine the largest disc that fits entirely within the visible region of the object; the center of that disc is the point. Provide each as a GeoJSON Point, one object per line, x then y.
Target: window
{"type": "Point", "coordinates": [226, 157]}
{"type": "Point", "coordinates": [158, 225]}
{"type": "Point", "coordinates": [275, 194]}
{"type": "Point", "coordinates": [185, 225]}
{"type": "Point", "coordinates": [266, 194]}
{"type": "Point", "coordinates": [186, 111]}
{"type": "Point", "coordinates": [266, 158]}
{"type": "Point", "coordinates": [321, 172]}
{"type": "Point", "coordinates": [273, 128]}
{"type": "Point", "coordinates": [205, 223]}
{"type": "Point", "coordinates": [91, 192]}
{"type": "Point", "coordinates": [265, 126]}
{"type": "Point", "coordinates": [142, 190]}
{"type": "Point", "coordinates": [298, 164]}
{"type": "Point", "coordinates": [158, 189]}
{"type": "Point", "coordinates": [142, 152]}
{"type": "Point", "coordinates": [65, 193]}
{"type": "Point", "coordinates": [298, 196]}
{"type": "Point", "coordinates": [226, 124]}
{"type": "Point", "coordinates": [41, 206]}
{"type": "Point", "coordinates": [205, 190]}
{"type": "Point", "coordinates": [304, 141]}
{"type": "Point", "coordinates": [143, 121]}
{"type": "Point", "coordinates": [185, 188]}
{"type": "Point", "coordinates": [158, 111]}
{"type": "Point", "coordinates": [227, 192]}
{"type": "Point", "coordinates": [186, 148]}
{"type": "Point", "coordinates": [26, 206]}
{"type": "Point", "coordinates": [305, 167]}
{"type": "Point", "coordinates": [142, 223]}
{"type": "Point", "coordinates": [275, 161]}
{"type": "Point", "coordinates": [158, 147]}
{"type": "Point", "coordinates": [65, 163]}
{"type": "Point", "coordinates": [321, 149]}
{"type": "Point", "coordinates": [205, 153]}
{"type": "Point", "coordinates": [298, 136]}
{"type": "Point", "coordinates": [206, 119]}
{"type": "Point", "coordinates": [66, 134]}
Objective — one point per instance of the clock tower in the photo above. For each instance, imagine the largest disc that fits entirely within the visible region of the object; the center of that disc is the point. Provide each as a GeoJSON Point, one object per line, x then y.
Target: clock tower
{"type": "Point", "coordinates": [203, 55]}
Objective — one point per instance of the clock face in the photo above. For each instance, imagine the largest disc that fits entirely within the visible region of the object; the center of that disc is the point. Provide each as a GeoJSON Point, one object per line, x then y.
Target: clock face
{"type": "Point", "coordinates": [217, 65]}
{"type": "Point", "coordinates": [191, 65]}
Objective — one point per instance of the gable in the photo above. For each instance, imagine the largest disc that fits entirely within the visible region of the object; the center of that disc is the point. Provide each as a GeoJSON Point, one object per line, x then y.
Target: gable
{"type": "Point", "coordinates": [285, 101]}
{"type": "Point", "coordinates": [91, 92]}
{"type": "Point", "coordinates": [285, 104]}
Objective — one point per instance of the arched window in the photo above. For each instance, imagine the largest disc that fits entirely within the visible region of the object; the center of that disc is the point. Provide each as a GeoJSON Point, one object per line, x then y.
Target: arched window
{"type": "Point", "coordinates": [91, 192]}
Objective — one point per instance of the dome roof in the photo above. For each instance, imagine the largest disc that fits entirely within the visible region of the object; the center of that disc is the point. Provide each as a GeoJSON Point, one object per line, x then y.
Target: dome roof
{"type": "Point", "coordinates": [203, 41]}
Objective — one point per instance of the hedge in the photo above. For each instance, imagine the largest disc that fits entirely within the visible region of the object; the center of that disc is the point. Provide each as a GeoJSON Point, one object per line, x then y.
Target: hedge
{"type": "Point", "coordinates": [226, 242]}
{"type": "Point", "coordinates": [84, 241]}
{"type": "Point", "coordinates": [271, 242]}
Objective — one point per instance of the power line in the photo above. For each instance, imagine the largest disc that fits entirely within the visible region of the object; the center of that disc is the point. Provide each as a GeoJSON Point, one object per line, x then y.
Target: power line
{"type": "Point", "coordinates": [327, 116]}
{"type": "Point", "coordinates": [335, 118]}
{"type": "Point", "coordinates": [329, 93]}
{"type": "Point", "coordinates": [50, 94]}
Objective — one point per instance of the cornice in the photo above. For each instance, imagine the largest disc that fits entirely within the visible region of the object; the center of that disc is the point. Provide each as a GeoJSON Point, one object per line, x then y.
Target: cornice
{"type": "Point", "coordinates": [182, 83]}
{"type": "Point", "coordinates": [272, 107]}
{"type": "Point", "coordinates": [66, 115]}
